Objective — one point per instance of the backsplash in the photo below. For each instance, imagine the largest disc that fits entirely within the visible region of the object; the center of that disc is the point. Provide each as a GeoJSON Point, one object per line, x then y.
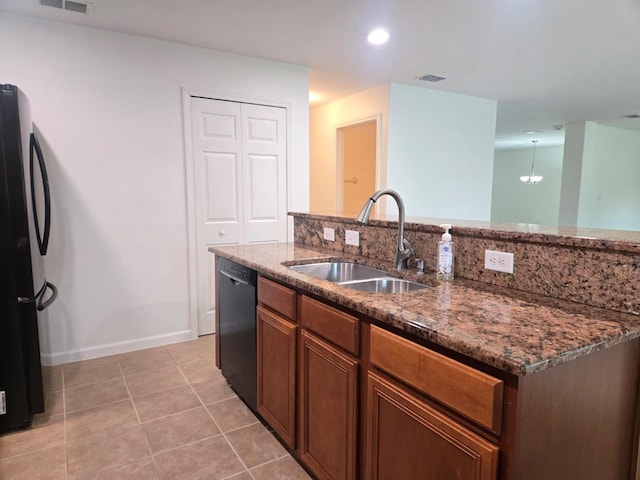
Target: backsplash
{"type": "Point", "coordinates": [597, 272]}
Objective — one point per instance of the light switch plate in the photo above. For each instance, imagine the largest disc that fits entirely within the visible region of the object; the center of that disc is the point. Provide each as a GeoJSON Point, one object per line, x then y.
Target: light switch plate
{"type": "Point", "coordinates": [329, 234]}
{"type": "Point", "coordinates": [498, 261]}
{"type": "Point", "coordinates": [352, 237]}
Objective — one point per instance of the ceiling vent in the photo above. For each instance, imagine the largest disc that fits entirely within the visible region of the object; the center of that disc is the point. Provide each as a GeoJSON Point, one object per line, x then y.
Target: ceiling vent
{"type": "Point", "coordinates": [71, 6]}
{"type": "Point", "coordinates": [430, 78]}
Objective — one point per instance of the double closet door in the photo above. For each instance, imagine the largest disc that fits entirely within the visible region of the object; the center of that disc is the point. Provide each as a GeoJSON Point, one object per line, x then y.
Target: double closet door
{"type": "Point", "coordinates": [240, 177]}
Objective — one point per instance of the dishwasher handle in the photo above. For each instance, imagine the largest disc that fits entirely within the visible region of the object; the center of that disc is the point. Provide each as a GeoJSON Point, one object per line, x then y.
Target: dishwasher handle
{"type": "Point", "coordinates": [233, 278]}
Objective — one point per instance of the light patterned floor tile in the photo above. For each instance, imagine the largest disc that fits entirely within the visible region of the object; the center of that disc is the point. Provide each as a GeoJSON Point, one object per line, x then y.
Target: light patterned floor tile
{"type": "Point", "coordinates": [166, 402]}
{"type": "Point", "coordinates": [107, 450]}
{"type": "Point", "coordinates": [255, 445]}
{"type": "Point", "coordinates": [179, 429]}
{"type": "Point", "coordinates": [46, 464]}
{"type": "Point", "coordinates": [209, 459]}
{"type": "Point", "coordinates": [48, 432]}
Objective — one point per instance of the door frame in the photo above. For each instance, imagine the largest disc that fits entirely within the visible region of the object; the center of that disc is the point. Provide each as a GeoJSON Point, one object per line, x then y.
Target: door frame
{"type": "Point", "coordinates": [340, 158]}
{"type": "Point", "coordinates": [215, 94]}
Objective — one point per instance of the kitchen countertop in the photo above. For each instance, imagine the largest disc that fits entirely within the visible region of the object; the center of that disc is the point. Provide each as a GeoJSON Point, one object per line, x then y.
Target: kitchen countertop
{"type": "Point", "coordinates": [514, 331]}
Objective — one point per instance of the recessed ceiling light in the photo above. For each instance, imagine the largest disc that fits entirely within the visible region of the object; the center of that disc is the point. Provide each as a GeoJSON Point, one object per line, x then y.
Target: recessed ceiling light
{"type": "Point", "coordinates": [532, 132]}
{"type": "Point", "coordinates": [313, 97]}
{"type": "Point", "coordinates": [378, 37]}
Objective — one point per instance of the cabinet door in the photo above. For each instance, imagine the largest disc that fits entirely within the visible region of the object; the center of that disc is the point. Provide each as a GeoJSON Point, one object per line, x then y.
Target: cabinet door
{"type": "Point", "coordinates": [328, 400]}
{"type": "Point", "coordinates": [277, 373]}
{"type": "Point", "coordinates": [409, 440]}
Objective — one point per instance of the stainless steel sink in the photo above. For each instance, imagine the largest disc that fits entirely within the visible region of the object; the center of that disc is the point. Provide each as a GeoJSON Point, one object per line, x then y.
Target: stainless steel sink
{"type": "Point", "coordinates": [385, 285]}
{"type": "Point", "coordinates": [339, 271]}
{"type": "Point", "coordinates": [357, 277]}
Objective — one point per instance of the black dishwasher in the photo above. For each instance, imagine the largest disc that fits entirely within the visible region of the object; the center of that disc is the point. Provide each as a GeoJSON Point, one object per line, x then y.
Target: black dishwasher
{"type": "Point", "coordinates": [238, 348]}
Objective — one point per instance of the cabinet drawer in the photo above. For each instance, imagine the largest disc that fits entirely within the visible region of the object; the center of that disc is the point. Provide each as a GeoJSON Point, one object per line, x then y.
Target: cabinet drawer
{"type": "Point", "coordinates": [338, 327]}
{"type": "Point", "coordinates": [470, 392]}
{"type": "Point", "coordinates": [277, 297]}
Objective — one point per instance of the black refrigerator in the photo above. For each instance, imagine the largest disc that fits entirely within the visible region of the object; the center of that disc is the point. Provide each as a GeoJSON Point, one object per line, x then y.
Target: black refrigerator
{"type": "Point", "coordinates": [25, 218]}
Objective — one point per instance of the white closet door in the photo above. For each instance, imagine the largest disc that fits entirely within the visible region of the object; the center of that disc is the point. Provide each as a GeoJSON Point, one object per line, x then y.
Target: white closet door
{"type": "Point", "coordinates": [265, 173]}
{"type": "Point", "coordinates": [239, 165]}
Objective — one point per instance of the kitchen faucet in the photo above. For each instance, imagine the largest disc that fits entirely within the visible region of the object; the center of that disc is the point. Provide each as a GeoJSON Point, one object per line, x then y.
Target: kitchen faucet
{"type": "Point", "coordinates": [404, 251]}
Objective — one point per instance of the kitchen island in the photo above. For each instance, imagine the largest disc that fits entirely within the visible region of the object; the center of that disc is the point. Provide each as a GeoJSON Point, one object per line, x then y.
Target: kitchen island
{"type": "Point", "coordinates": [561, 378]}
{"type": "Point", "coordinates": [517, 332]}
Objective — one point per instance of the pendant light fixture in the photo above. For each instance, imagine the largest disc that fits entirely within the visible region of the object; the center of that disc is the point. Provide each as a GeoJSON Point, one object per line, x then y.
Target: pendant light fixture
{"type": "Point", "coordinates": [532, 178]}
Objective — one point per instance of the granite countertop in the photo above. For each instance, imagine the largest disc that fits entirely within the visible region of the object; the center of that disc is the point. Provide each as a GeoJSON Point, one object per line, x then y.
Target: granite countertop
{"type": "Point", "coordinates": [517, 332]}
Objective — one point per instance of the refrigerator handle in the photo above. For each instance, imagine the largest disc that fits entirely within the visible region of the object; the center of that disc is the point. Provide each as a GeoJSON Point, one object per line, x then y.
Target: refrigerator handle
{"type": "Point", "coordinates": [36, 297]}
{"type": "Point", "coordinates": [43, 240]}
{"type": "Point", "coordinates": [54, 293]}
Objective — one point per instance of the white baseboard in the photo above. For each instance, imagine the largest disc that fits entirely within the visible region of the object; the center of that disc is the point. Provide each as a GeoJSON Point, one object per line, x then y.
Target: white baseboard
{"type": "Point", "coordinates": [75, 355]}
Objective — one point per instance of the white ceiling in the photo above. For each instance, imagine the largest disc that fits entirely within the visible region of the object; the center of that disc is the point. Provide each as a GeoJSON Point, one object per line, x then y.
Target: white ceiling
{"type": "Point", "coordinates": [547, 62]}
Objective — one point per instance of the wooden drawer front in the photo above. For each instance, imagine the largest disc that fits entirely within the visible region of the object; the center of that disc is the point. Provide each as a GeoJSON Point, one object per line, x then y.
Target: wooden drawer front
{"type": "Point", "coordinates": [470, 392]}
{"type": "Point", "coordinates": [409, 440]}
{"type": "Point", "coordinates": [336, 326]}
{"type": "Point", "coordinates": [277, 297]}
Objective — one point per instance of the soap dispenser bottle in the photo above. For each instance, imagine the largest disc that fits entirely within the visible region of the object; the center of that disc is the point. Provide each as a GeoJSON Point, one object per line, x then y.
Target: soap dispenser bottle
{"type": "Point", "coordinates": [444, 271]}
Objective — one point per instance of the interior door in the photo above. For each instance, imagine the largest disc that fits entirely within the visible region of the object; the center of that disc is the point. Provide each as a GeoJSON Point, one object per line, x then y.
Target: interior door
{"type": "Point", "coordinates": [217, 167]}
{"type": "Point", "coordinates": [265, 172]}
{"type": "Point", "coordinates": [239, 165]}
{"type": "Point", "coordinates": [358, 157]}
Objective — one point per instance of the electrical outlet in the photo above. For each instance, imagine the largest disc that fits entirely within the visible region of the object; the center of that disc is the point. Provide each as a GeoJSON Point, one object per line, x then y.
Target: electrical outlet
{"type": "Point", "coordinates": [352, 237]}
{"type": "Point", "coordinates": [498, 261]}
{"type": "Point", "coordinates": [329, 234]}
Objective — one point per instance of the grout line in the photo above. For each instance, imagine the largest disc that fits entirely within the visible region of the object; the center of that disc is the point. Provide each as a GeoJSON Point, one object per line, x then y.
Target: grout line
{"type": "Point", "coordinates": [65, 413]}
{"type": "Point", "coordinates": [169, 415]}
{"type": "Point", "coordinates": [273, 460]}
{"type": "Point", "coordinates": [99, 404]}
{"type": "Point", "coordinates": [126, 386]}
{"type": "Point", "coordinates": [135, 409]}
{"type": "Point", "coordinates": [218, 425]}
{"type": "Point", "coordinates": [184, 445]}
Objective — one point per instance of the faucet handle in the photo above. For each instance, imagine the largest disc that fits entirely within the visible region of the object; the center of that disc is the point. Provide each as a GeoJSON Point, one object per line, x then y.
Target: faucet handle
{"type": "Point", "coordinates": [402, 256]}
{"type": "Point", "coordinates": [407, 247]}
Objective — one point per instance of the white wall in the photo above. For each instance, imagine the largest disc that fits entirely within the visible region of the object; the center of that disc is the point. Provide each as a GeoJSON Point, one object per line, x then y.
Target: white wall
{"type": "Point", "coordinates": [609, 193]}
{"type": "Point", "coordinates": [514, 201]}
{"type": "Point", "coordinates": [576, 146]}
{"type": "Point", "coordinates": [441, 148]}
{"type": "Point", "coordinates": [108, 108]}
{"type": "Point", "coordinates": [600, 177]}
{"type": "Point", "coordinates": [323, 122]}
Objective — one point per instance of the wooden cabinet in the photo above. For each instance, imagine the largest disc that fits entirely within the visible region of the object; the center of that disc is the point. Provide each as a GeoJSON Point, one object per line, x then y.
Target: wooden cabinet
{"type": "Point", "coordinates": [328, 397]}
{"type": "Point", "coordinates": [472, 393]}
{"type": "Point", "coordinates": [328, 408]}
{"type": "Point", "coordinates": [277, 358]}
{"type": "Point", "coordinates": [355, 401]}
{"type": "Point", "coordinates": [406, 437]}
{"type": "Point", "coordinates": [409, 440]}
{"type": "Point", "coordinates": [276, 373]}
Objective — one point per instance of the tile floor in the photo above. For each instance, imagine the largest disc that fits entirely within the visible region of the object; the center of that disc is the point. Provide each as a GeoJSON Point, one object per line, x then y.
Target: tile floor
{"type": "Point", "coordinates": [160, 413]}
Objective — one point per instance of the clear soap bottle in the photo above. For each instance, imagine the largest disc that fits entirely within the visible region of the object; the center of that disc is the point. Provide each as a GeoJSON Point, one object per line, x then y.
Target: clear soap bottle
{"type": "Point", "coordinates": [444, 270]}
